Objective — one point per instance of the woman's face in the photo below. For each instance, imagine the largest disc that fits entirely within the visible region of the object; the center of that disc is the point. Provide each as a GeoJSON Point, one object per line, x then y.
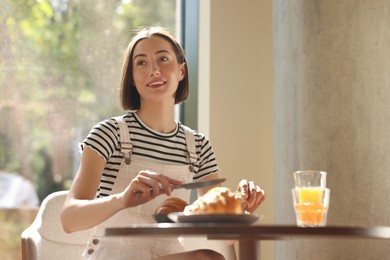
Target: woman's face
{"type": "Point", "coordinates": [156, 71]}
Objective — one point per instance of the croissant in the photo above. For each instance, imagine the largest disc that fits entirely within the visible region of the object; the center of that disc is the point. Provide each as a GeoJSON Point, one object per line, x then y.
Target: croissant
{"type": "Point", "coordinates": [217, 200]}
{"type": "Point", "coordinates": [171, 204]}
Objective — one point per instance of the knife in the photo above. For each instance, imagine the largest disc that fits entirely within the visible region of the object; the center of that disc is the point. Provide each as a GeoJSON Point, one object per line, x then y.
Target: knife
{"type": "Point", "coordinates": [198, 184]}
{"type": "Point", "coordinates": [193, 185]}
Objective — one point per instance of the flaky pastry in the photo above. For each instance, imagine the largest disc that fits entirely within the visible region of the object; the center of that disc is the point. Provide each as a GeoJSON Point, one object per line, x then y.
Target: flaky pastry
{"type": "Point", "coordinates": [217, 200]}
{"type": "Point", "coordinates": [170, 205]}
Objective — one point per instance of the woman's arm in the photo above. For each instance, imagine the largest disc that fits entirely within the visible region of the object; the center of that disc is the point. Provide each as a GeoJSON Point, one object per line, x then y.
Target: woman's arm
{"type": "Point", "coordinates": [81, 210]}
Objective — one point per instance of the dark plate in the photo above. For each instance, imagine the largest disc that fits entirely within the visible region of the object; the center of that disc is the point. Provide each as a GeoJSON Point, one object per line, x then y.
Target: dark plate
{"type": "Point", "coordinates": [180, 217]}
{"type": "Point", "coordinates": [162, 218]}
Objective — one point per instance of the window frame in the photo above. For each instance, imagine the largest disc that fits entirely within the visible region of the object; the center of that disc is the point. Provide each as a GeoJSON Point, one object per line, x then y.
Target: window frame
{"type": "Point", "coordinates": [189, 31]}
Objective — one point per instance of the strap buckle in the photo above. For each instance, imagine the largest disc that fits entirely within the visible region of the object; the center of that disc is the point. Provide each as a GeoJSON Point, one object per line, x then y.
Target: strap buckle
{"type": "Point", "coordinates": [126, 149]}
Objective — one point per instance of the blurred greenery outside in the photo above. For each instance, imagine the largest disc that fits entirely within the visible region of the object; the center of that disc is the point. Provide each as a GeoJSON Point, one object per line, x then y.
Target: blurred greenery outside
{"type": "Point", "coordinates": [59, 75]}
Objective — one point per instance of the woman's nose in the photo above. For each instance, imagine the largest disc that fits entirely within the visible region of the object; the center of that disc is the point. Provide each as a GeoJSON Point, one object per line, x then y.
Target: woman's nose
{"type": "Point", "coordinates": [155, 70]}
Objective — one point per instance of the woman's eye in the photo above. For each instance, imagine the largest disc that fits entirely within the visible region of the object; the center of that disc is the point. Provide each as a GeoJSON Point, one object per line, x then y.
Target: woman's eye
{"type": "Point", "coordinates": [140, 63]}
{"type": "Point", "coordinates": [163, 59]}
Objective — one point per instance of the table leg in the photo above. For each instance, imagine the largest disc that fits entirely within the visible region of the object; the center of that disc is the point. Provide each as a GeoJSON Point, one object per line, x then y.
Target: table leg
{"type": "Point", "coordinates": [248, 249]}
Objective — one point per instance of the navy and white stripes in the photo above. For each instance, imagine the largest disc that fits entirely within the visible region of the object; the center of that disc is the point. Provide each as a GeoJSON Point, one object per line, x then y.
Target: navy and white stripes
{"type": "Point", "coordinates": [148, 145]}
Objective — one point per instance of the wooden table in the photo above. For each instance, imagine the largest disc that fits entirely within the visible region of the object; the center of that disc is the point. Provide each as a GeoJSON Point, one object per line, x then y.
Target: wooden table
{"type": "Point", "coordinates": [248, 235]}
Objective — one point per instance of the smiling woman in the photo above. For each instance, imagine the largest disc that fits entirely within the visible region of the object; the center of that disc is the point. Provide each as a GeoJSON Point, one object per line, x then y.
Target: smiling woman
{"type": "Point", "coordinates": [157, 74]}
{"type": "Point", "coordinates": [132, 161]}
{"type": "Point", "coordinates": [161, 58]}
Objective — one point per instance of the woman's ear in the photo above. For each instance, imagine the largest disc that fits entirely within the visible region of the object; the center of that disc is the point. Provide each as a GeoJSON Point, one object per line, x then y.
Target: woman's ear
{"type": "Point", "coordinates": [183, 71]}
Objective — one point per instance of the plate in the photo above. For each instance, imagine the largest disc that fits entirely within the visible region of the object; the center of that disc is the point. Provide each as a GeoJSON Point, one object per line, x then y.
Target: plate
{"type": "Point", "coordinates": [162, 218]}
{"type": "Point", "coordinates": [180, 217]}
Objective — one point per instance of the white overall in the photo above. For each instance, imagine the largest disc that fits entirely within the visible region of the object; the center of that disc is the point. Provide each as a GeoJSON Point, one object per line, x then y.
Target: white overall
{"type": "Point", "coordinates": [102, 247]}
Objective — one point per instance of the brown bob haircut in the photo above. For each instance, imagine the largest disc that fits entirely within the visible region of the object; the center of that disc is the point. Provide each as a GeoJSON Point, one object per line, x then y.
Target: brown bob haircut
{"type": "Point", "coordinates": [129, 96]}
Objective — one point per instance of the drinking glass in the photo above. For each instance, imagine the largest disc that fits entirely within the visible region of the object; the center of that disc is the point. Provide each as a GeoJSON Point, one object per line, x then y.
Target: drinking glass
{"type": "Point", "coordinates": [311, 198]}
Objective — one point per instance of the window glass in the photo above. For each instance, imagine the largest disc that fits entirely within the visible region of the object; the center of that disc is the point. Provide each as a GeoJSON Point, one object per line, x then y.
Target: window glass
{"type": "Point", "coordinates": [59, 75]}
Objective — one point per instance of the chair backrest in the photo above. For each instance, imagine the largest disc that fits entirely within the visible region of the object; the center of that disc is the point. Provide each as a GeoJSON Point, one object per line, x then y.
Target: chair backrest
{"type": "Point", "coordinates": [46, 239]}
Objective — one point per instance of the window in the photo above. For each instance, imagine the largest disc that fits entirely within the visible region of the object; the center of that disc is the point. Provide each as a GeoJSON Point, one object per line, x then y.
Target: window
{"type": "Point", "coordinates": [59, 75]}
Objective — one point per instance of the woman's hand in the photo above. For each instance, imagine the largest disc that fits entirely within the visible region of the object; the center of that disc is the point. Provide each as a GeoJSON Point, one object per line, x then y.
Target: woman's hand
{"type": "Point", "coordinates": [146, 186]}
{"type": "Point", "coordinates": [251, 194]}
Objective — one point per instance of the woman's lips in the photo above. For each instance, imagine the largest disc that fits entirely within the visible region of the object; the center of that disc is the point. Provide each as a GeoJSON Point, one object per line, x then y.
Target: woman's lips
{"type": "Point", "coordinates": [156, 84]}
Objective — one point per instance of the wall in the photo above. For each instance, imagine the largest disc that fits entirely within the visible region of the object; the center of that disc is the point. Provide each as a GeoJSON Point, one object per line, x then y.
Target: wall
{"type": "Point", "coordinates": [235, 94]}
{"type": "Point", "coordinates": [332, 111]}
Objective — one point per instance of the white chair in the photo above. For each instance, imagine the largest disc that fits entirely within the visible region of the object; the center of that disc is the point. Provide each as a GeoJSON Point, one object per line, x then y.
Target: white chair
{"type": "Point", "coordinates": [45, 239]}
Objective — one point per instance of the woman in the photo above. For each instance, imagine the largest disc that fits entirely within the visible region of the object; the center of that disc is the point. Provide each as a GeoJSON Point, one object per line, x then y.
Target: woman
{"type": "Point", "coordinates": [129, 163]}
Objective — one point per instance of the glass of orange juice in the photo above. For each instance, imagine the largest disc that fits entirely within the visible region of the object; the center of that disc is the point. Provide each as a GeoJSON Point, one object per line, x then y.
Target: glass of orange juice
{"type": "Point", "coordinates": [311, 198]}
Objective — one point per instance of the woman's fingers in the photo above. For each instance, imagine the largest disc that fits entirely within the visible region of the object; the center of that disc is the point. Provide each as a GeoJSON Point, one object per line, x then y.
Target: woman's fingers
{"type": "Point", "coordinates": [147, 185]}
{"type": "Point", "coordinates": [260, 197]}
{"type": "Point", "coordinates": [251, 193]}
{"type": "Point", "coordinates": [157, 182]}
{"type": "Point", "coordinates": [243, 189]}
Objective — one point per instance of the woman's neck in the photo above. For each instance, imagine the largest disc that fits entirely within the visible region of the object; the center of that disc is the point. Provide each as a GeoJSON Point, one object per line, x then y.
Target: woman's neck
{"type": "Point", "coordinates": [159, 118]}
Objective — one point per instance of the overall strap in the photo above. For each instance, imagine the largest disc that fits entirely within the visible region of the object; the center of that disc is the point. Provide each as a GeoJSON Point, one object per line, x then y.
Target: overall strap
{"type": "Point", "coordinates": [191, 147]}
{"type": "Point", "coordinates": [125, 144]}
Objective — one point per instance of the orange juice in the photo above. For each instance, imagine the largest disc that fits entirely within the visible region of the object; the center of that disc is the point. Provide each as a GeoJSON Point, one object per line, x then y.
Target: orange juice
{"type": "Point", "coordinates": [311, 207]}
{"type": "Point", "coordinates": [310, 194]}
{"type": "Point", "coordinates": [309, 214]}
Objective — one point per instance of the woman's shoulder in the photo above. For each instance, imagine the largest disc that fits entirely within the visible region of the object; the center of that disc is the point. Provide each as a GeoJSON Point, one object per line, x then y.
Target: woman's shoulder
{"type": "Point", "coordinates": [199, 136]}
{"type": "Point", "coordinates": [107, 124]}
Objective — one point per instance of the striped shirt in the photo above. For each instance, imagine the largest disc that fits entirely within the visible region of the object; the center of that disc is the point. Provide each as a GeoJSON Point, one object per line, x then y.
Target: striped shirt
{"type": "Point", "coordinates": [148, 145]}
